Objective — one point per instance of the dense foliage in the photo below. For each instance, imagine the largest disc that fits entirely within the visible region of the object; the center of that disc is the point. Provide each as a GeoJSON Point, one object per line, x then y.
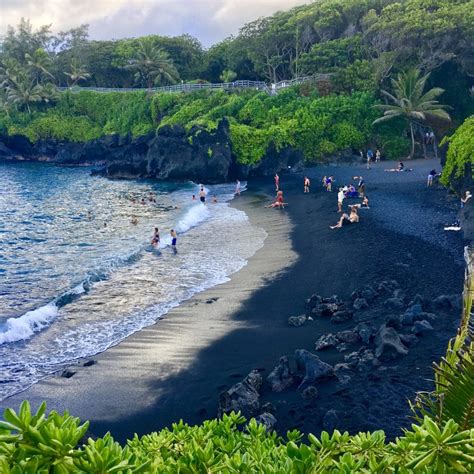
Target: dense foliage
{"type": "Point", "coordinates": [460, 152]}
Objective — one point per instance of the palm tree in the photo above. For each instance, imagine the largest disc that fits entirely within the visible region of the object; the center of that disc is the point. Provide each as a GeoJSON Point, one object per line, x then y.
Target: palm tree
{"type": "Point", "coordinates": [39, 62]}
{"type": "Point", "coordinates": [152, 65]}
{"type": "Point", "coordinates": [78, 73]}
{"type": "Point", "coordinates": [23, 94]}
{"type": "Point", "coordinates": [411, 103]}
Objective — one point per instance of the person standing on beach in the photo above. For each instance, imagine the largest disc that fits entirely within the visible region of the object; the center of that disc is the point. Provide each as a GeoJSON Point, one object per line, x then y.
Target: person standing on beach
{"type": "Point", "coordinates": [431, 177]}
{"type": "Point", "coordinates": [307, 184]}
{"type": "Point", "coordinates": [174, 239]}
{"type": "Point", "coordinates": [329, 181]}
{"type": "Point", "coordinates": [237, 188]}
{"type": "Point", "coordinates": [277, 182]}
{"type": "Point", "coordinates": [370, 155]}
{"type": "Point", "coordinates": [378, 155]}
{"type": "Point", "coordinates": [202, 195]}
{"type": "Point", "coordinates": [360, 186]}
{"type": "Point", "coordinates": [340, 199]}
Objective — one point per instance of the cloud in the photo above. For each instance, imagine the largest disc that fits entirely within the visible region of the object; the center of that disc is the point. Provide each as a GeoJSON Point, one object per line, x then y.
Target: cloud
{"type": "Point", "coordinates": [209, 20]}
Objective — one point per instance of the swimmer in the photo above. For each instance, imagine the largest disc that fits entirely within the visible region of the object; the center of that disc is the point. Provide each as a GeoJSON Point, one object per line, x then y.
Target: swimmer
{"type": "Point", "coordinates": [194, 197]}
{"type": "Point", "coordinates": [134, 220]}
{"type": "Point", "coordinates": [202, 195]}
{"type": "Point", "coordinates": [214, 199]}
{"type": "Point", "coordinates": [156, 237]}
{"type": "Point", "coordinates": [174, 238]}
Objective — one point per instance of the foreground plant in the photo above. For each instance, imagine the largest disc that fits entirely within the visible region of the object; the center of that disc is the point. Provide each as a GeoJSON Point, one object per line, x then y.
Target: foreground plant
{"type": "Point", "coordinates": [36, 443]}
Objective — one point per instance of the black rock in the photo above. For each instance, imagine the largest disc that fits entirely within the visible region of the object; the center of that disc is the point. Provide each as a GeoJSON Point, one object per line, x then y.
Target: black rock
{"type": "Point", "coordinates": [266, 419]}
{"type": "Point", "coordinates": [388, 345]}
{"type": "Point", "coordinates": [421, 327]}
{"type": "Point", "coordinates": [281, 376]}
{"type": "Point", "coordinates": [330, 420]}
{"type": "Point", "coordinates": [315, 369]}
{"type": "Point", "coordinates": [360, 304]}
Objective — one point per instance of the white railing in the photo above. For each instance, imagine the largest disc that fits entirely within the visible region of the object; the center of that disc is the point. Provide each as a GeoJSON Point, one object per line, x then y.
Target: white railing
{"type": "Point", "coordinates": [257, 85]}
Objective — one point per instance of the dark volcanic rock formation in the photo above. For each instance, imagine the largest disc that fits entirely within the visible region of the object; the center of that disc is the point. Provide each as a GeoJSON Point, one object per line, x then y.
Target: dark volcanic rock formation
{"type": "Point", "coordinates": [172, 153]}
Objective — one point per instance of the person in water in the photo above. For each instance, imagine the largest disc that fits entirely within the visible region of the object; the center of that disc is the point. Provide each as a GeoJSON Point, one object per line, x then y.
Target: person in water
{"type": "Point", "coordinates": [202, 195]}
{"type": "Point", "coordinates": [306, 184]}
{"type": "Point", "coordinates": [156, 237]}
{"type": "Point", "coordinates": [353, 218]}
{"type": "Point", "coordinates": [214, 199]}
{"type": "Point", "coordinates": [174, 239]}
{"type": "Point", "coordinates": [134, 220]}
{"type": "Point", "coordinates": [237, 188]}
{"type": "Point", "coordinates": [194, 197]}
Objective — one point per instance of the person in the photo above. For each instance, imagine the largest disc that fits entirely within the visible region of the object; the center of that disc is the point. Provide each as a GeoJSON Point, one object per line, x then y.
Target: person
{"type": "Point", "coordinates": [194, 197]}
{"type": "Point", "coordinates": [466, 198]}
{"type": "Point", "coordinates": [353, 218]}
{"type": "Point", "coordinates": [134, 220]}
{"type": "Point", "coordinates": [432, 137]}
{"type": "Point", "coordinates": [340, 199]}
{"type": "Point", "coordinates": [156, 237]}
{"type": "Point", "coordinates": [306, 184]}
{"type": "Point", "coordinates": [432, 174]}
{"type": "Point", "coordinates": [278, 201]}
{"type": "Point", "coordinates": [427, 138]}
{"type": "Point", "coordinates": [401, 166]}
{"type": "Point", "coordinates": [277, 182]}
{"type": "Point", "coordinates": [324, 181]}
{"type": "Point", "coordinates": [202, 195]}
{"type": "Point", "coordinates": [360, 185]}
{"type": "Point", "coordinates": [378, 155]}
{"type": "Point", "coordinates": [143, 201]}
{"type": "Point", "coordinates": [329, 181]}
{"type": "Point", "coordinates": [174, 239]}
{"type": "Point", "coordinates": [370, 155]}
{"type": "Point", "coordinates": [237, 188]}
{"type": "Point", "coordinates": [214, 199]}
{"type": "Point", "coordinates": [365, 202]}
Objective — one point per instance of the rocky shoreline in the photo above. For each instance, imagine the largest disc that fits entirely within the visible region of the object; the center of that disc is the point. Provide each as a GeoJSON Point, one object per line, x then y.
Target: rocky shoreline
{"type": "Point", "coordinates": [171, 154]}
{"type": "Point", "coordinates": [382, 327]}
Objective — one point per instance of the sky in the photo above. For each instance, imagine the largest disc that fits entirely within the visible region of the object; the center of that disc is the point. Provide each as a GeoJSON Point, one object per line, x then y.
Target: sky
{"type": "Point", "coordinates": [208, 20]}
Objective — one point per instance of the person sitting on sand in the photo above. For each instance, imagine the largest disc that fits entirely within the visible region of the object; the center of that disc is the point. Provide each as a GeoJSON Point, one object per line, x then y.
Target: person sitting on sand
{"type": "Point", "coordinates": [174, 239]}
{"type": "Point", "coordinates": [306, 184]}
{"type": "Point", "coordinates": [156, 237]}
{"type": "Point", "coordinates": [365, 202]}
{"type": "Point", "coordinates": [279, 201]}
{"type": "Point", "coordinates": [353, 218]}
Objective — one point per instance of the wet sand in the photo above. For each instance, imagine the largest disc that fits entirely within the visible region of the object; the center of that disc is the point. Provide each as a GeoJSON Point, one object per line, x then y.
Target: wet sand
{"type": "Point", "coordinates": [177, 367]}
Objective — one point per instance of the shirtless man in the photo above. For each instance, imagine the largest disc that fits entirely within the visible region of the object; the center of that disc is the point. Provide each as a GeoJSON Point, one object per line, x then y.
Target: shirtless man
{"type": "Point", "coordinates": [202, 195]}
{"type": "Point", "coordinates": [307, 184]}
{"type": "Point", "coordinates": [353, 218]}
{"type": "Point", "coordinates": [174, 238]}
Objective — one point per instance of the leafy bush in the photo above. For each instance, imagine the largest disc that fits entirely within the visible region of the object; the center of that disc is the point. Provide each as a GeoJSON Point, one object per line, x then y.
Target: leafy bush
{"type": "Point", "coordinates": [460, 152]}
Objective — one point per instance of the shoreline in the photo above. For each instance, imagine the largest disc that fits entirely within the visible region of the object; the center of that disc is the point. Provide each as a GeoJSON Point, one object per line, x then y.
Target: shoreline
{"type": "Point", "coordinates": [164, 373]}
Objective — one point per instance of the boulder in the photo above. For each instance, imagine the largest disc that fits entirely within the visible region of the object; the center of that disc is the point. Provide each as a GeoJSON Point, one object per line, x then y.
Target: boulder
{"type": "Point", "coordinates": [326, 341]}
{"type": "Point", "coordinates": [388, 286]}
{"type": "Point", "coordinates": [342, 372]}
{"type": "Point", "coordinates": [281, 377]}
{"type": "Point", "coordinates": [388, 345]}
{"type": "Point", "coordinates": [313, 301]}
{"type": "Point", "coordinates": [366, 331]}
{"type": "Point", "coordinates": [314, 368]}
{"type": "Point", "coordinates": [360, 304]}
{"type": "Point", "coordinates": [394, 303]}
{"type": "Point", "coordinates": [341, 316]}
{"type": "Point", "coordinates": [409, 340]}
{"type": "Point", "coordinates": [296, 321]}
{"type": "Point", "coordinates": [310, 393]}
{"type": "Point", "coordinates": [266, 419]}
{"type": "Point", "coordinates": [342, 347]}
{"type": "Point", "coordinates": [442, 302]}
{"type": "Point", "coordinates": [367, 292]}
{"type": "Point", "coordinates": [330, 420]}
{"type": "Point", "coordinates": [417, 299]}
{"type": "Point", "coordinates": [350, 337]}
{"type": "Point", "coordinates": [361, 360]}
{"type": "Point", "coordinates": [421, 327]}
{"type": "Point", "coordinates": [243, 396]}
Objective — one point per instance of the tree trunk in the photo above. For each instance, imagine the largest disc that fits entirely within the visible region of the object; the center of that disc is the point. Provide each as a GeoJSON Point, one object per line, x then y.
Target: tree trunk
{"type": "Point", "coordinates": [412, 152]}
{"type": "Point", "coordinates": [423, 143]}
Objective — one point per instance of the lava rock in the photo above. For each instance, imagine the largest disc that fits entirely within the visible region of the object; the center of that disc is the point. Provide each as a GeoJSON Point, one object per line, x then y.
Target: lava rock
{"type": "Point", "coordinates": [388, 286]}
{"type": "Point", "coordinates": [243, 396]}
{"type": "Point", "coordinates": [442, 302]}
{"type": "Point", "coordinates": [341, 316]}
{"type": "Point", "coordinates": [310, 393]}
{"type": "Point", "coordinates": [394, 303]}
{"type": "Point", "coordinates": [315, 369]}
{"type": "Point", "coordinates": [366, 331]}
{"type": "Point", "coordinates": [326, 341]}
{"type": "Point", "coordinates": [88, 363]}
{"type": "Point", "coordinates": [267, 420]}
{"type": "Point", "coordinates": [296, 321]}
{"type": "Point", "coordinates": [421, 327]}
{"type": "Point", "coordinates": [409, 340]}
{"type": "Point", "coordinates": [67, 374]}
{"type": "Point", "coordinates": [362, 360]}
{"type": "Point", "coordinates": [388, 345]}
{"type": "Point", "coordinates": [348, 336]}
{"type": "Point", "coordinates": [313, 301]}
{"type": "Point", "coordinates": [360, 304]}
{"type": "Point", "coordinates": [281, 377]}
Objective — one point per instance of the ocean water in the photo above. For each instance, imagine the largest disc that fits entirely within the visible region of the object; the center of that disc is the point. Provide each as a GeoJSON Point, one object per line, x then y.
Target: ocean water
{"type": "Point", "coordinates": [77, 276]}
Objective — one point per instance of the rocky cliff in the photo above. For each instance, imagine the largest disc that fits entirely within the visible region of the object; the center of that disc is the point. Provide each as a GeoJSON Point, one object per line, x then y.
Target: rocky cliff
{"type": "Point", "coordinates": [172, 153]}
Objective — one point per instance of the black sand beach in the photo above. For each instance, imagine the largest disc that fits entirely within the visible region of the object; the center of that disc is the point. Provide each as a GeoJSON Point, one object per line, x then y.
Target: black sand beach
{"type": "Point", "coordinates": [177, 368]}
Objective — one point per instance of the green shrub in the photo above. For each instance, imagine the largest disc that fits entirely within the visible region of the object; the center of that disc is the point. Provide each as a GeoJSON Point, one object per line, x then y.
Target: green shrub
{"type": "Point", "coordinates": [460, 153]}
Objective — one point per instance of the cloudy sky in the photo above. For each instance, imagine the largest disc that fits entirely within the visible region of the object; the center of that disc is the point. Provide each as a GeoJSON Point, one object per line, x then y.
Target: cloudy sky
{"type": "Point", "coordinates": [208, 20]}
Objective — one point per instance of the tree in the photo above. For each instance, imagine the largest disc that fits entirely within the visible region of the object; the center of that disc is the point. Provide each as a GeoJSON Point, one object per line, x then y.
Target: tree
{"type": "Point", "coordinates": [39, 63]}
{"type": "Point", "coordinates": [78, 73]}
{"type": "Point", "coordinates": [152, 65]}
{"type": "Point", "coordinates": [23, 94]}
{"type": "Point", "coordinates": [410, 103]}
{"type": "Point", "coordinates": [227, 75]}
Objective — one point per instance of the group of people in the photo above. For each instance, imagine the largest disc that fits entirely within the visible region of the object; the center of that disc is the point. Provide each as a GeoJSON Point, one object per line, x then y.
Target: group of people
{"type": "Point", "coordinates": [370, 157]}
{"type": "Point", "coordinates": [155, 241]}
